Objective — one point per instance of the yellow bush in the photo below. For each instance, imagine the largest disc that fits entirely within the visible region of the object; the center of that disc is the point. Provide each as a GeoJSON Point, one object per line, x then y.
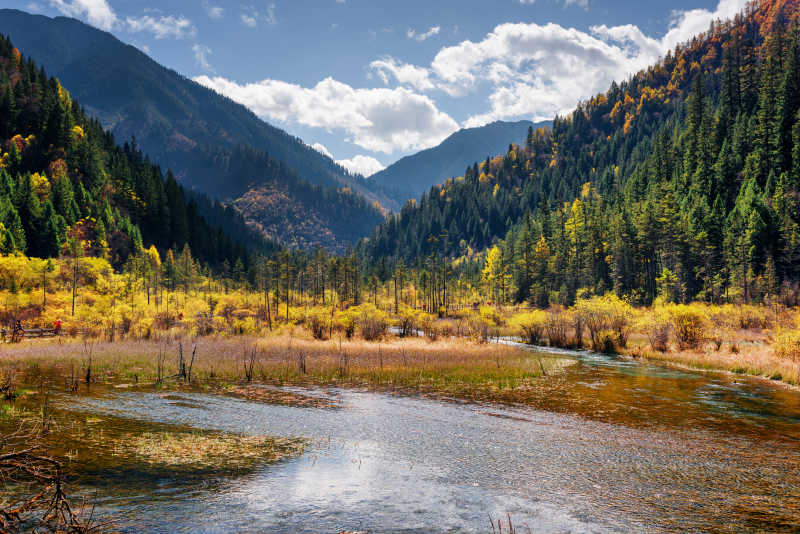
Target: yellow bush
{"type": "Point", "coordinates": [530, 325]}
{"type": "Point", "coordinates": [407, 320]}
{"type": "Point", "coordinates": [787, 345]}
{"type": "Point", "coordinates": [492, 315]}
{"type": "Point", "coordinates": [657, 327]}
{"type": "Point", "coordinates": [319, 321]}
{"type": "Point", "coordinates": [689, 323]}
{"type": "Point", "coordinates": [346, 321]}
{"type": "Point", "coordinates": [605, 314]}
{"type": "Point", "coordinates": [226, 306]}
{"type": "Point", "coordinates": [372, 322]}
{"type": "Point", "coordinates": [245, 326]}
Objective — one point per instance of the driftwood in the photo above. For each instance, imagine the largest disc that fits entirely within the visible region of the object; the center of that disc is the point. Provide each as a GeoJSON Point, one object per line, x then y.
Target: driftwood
{"type": "Point", "coordinates": [24, 461]}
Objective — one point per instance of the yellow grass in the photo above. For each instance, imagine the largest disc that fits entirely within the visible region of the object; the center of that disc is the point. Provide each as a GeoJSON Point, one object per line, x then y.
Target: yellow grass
{"type": "Point", "coordinates": [753, 358]}
{"type": "Point", "coordinates": [447, 366]}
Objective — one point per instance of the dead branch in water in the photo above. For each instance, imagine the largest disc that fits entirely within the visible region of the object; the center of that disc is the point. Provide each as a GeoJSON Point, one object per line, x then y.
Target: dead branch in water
{"type": "Point", "coordinates": [249, 361]}
{"type": "Point", "coordinates": [24, 462]}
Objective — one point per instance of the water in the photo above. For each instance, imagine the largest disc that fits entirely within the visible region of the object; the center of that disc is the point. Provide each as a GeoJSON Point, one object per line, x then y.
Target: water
{"type": "Point", "coordinates": [609, 446]}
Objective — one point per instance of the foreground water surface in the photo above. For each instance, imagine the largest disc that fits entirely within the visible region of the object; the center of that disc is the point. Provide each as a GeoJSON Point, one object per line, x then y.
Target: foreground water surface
{"type": "Point", "coordinates": [608, 446]}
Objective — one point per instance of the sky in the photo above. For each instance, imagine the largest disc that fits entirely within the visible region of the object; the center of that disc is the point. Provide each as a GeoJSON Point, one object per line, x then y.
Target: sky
{"type": "Point", "coordinates": [370, 81]}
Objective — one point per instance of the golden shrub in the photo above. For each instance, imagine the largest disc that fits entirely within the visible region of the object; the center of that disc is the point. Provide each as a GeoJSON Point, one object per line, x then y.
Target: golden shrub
{"type": "Point", "coordinates": [787, 345]}
{"type": "Point", "coordinates": [689, 322]}
{"type": "Point", "coordinates": [603, 314]}
{"type": "Point", "coordinates": [319, 321]}
{"type": "Point", "coordinates": [530, 326]}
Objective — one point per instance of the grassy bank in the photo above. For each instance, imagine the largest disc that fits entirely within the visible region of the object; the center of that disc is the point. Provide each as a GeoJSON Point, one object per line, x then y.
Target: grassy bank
{"type": "Point", "coordinates": [451, 367]}
{"type": "Point", "coordinates": [755, 340]}
{"type": "Point", "coordinates": [755, 359]}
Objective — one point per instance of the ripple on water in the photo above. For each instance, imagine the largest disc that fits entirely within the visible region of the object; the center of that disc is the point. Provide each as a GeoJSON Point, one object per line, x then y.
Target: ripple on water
{"type": "Point", "coordinates": [386, 463]}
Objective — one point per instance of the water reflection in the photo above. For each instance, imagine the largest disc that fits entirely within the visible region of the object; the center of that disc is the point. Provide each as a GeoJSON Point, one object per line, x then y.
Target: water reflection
{"type": "Point", "coordinates": [610, 445]}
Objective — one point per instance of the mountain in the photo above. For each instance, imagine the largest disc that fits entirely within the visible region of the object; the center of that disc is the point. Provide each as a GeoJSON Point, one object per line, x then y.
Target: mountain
{"type": "Point", "coordinates": [63, 179]}
{"type": "Point", "coordinates": [681, 182]}
{"type": "Point", "coordinates": [190, 129]}
{"type": "Point", "coordinates": [413, 175]}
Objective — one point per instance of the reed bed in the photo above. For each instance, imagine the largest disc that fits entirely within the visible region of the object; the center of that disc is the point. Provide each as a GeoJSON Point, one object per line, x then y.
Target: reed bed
{"type": "Point", "coordinates": [449, 366]}
{"type": "Point", "coordinates": [755, 360]}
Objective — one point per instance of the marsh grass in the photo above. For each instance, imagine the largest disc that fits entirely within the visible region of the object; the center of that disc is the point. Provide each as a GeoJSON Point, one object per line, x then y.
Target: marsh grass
{"type": "Point", "coordinates": [755, 359]}
{"type": "Point", "coordinates": [453, 367]}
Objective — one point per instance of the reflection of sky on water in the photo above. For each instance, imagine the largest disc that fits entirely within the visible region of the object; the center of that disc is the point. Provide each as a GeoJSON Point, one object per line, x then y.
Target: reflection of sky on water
{"type": "Point", "coordinates": [715, 452]}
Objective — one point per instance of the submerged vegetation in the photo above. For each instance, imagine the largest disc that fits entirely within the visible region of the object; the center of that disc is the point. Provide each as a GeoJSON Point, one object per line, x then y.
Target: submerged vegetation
{"type": "Point", "coordinates": [45, 449]}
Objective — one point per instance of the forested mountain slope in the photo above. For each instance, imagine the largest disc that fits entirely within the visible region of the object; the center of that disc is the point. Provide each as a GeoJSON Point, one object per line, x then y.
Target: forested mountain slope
{"type": "Point", "coordinates": [681, 182]}
{"type": "Point", "coordinates": [63, 179]}
{"type": "Point", "coordinates": [416, 174]}
{"type": "Point", "coordinates": [212, 144]}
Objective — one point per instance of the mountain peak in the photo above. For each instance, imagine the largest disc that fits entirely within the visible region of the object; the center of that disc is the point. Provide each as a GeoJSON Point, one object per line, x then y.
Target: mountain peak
{"type": "Point", "coordinates": [418, 172]}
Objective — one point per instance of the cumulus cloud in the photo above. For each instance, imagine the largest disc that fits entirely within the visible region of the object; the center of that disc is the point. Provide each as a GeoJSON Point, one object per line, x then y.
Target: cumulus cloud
{"type": "Point", "coordinates": [162, 27]}
{"type": "Point", "coordinates": [97, 12]}
{"type": "Point", "coordinates": [405, 74]}
{"type": "Point", "coordinates": [380, 120]}
{"type": "Point", "coordinates": [322, 149]}
{"type": "Point", "coordinates": [538, 71]}
{"type": "Point", "coordinates": [366, 166]}
{"type": "Point", "coordinates": [412, 34]}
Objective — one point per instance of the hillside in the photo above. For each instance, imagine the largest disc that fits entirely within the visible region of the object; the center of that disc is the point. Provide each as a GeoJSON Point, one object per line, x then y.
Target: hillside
{"type": "Point", "coordinates": [64, 182]}
{"type": "Point", "coordinates": [416, 174]}
{"type": "Point", "coordinates": [185, 127]}
{"type": "Point", "coordinates": [681, 182]}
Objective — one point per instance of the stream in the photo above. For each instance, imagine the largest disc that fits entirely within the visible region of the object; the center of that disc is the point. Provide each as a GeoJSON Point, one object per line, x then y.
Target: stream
{"type": "Point", "coordinates": [609, 445]}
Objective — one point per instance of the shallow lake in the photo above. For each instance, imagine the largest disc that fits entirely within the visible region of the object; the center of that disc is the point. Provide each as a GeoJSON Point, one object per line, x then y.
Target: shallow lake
{"type": "Point", "coordinates": [609, 445]}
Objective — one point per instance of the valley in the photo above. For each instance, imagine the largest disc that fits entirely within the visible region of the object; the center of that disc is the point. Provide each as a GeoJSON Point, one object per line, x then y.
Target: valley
{"type": "Point", "coordinates": [565, 299]}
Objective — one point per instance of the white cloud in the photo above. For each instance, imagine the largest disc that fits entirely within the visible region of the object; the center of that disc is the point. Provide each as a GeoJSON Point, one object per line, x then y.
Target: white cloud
{"type": "Point", "coordinates": [250, 16]}
{"type": "Point", "coordinates": [214, 12]}
{"type": "Point", "coordinates": [201, 53]}
{"type": "Point", "coordinates": [404, 73]}
{"type": "Point", "coordinates": [322, 149]}
{"type": "Point", "coordinates": [382, 119]}
{"type": "Point", "coordinates": [366, 166]}
{"type": "Point", "coordinates": [538, 71]}
{"type": "Point", "coordinates": [97, 12]}
{"type": "Point", "coordinates": [412, 34]}
{"type": "Point", "coordinates": [162, 27]}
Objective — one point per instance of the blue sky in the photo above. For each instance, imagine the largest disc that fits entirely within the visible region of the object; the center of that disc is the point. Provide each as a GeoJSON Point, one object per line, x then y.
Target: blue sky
{"type": "Point", "coordinates": [369, 81]}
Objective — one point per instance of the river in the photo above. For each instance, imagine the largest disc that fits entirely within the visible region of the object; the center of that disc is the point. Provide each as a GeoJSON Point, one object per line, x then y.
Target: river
{"type": "Point", "coordinates": [609, 445]}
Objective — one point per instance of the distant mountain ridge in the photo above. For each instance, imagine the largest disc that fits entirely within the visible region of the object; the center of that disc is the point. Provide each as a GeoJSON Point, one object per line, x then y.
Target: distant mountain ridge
{"type": "Point", "coordinates": [188, 128]}
{"type": "Point", "coordinates": [416, 174]}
